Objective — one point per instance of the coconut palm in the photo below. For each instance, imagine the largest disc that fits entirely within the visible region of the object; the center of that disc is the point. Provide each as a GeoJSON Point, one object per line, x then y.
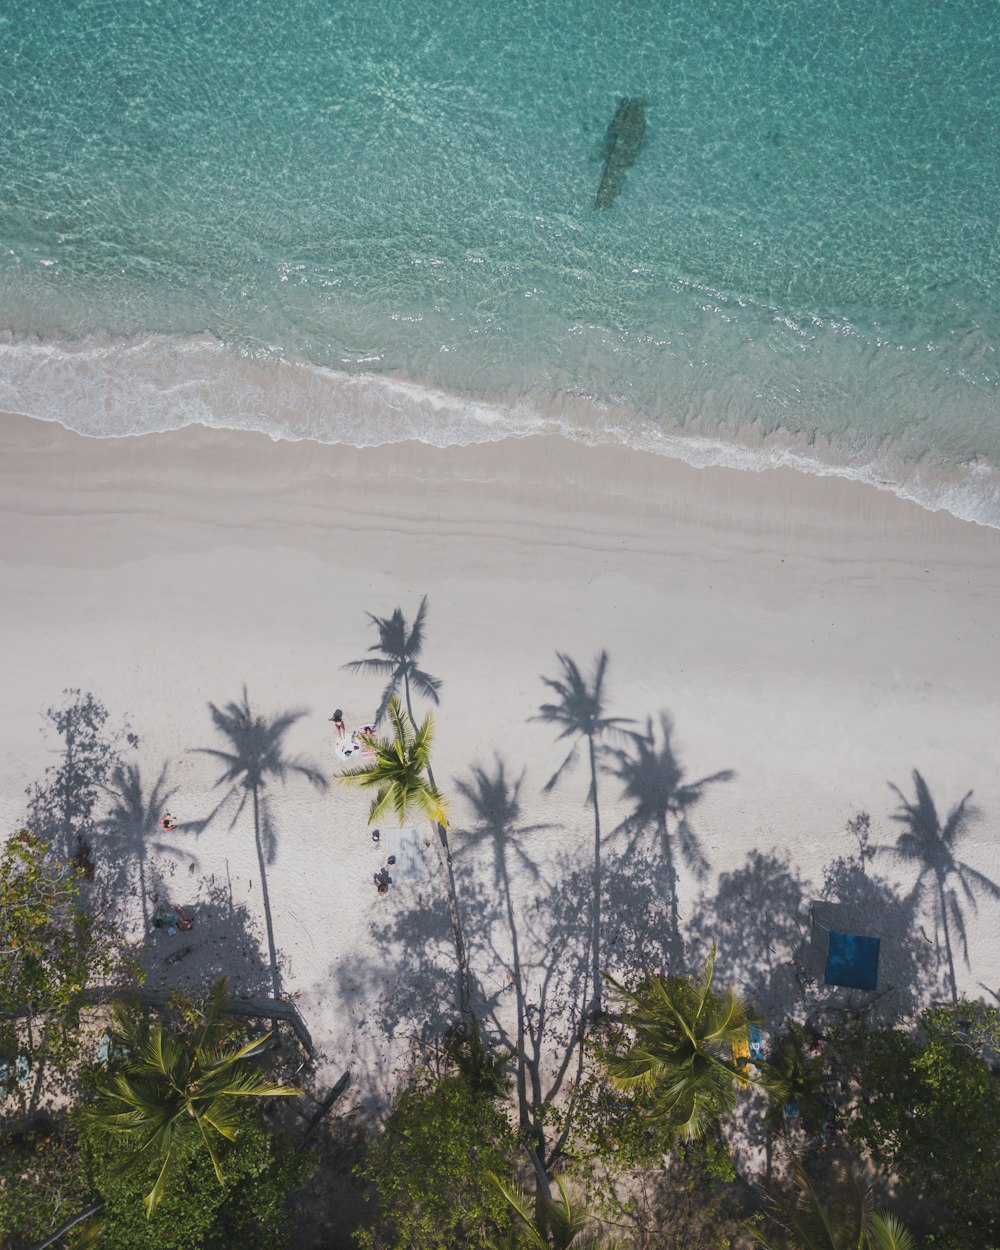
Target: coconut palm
{"type": "Point", "coordinates": [176, 1087]}
{"type": "Point", "coordinates": [931, 846]}
{"type": "Point", "coordinates": [399, 646]}
{"type": "Point", "coordinates": [550, 1223]}
{"type": "Point", "coordinates": [848, 1222]}
{"type": "Point", "coordinates": [255, 761]}
{"type": "Point", "coordinates": [398, 771]}
{"type": "Point", "coordinates": [653, 781]}
{"type": "Point", "coordinates": [580, 715]}
{"type": "Point", "coordinates": [682, 1057]}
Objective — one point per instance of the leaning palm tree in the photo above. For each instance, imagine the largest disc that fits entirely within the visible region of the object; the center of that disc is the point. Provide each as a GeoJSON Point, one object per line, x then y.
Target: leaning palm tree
{"type": "Point", "coordinates": [254, 762]}
{"type": "Point", "coordinates": [177, 1087]}
{"type": "Point", "coordinates": [398, 771]}
{"type": "Point", "coordinates": [580, 715]}
{"type": "Point", "coordinates": [931, 846]}
{"type": "Point", "coordinates": [399, 646]}
{"type": "Point", "coordinates": [551, 1223]}
{"type": "Point", "coordinates": [681, 1058]}
{"type": "Point", "coordinates": [653, 781]}
{"type": "Point", "coordinates": [848, 1222]}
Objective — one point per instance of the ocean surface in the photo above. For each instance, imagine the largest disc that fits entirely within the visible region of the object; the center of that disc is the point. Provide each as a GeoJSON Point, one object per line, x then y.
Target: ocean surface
{"type": "Point", "coordinates": [374, 221]}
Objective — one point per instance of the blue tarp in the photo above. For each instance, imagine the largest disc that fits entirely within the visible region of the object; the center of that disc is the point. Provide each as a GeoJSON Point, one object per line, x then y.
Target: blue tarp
{"type": "Point", "coordinates": [852, 961]}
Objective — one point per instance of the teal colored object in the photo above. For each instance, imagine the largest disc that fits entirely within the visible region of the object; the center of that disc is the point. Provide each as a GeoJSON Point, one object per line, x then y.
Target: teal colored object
{"type": "Point", "coordinates": [852, 961]}
{"type": "Point", "coordinates": [805, 239]}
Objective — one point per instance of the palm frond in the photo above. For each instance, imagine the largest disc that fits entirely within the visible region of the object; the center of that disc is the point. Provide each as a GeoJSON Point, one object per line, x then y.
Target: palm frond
{"type": "Point", "coordinates": [885, 1232]}
{"type": "Point", "coordinates": [230, 1134]}
{"type": "Point", "coordinates": [518, 1203]}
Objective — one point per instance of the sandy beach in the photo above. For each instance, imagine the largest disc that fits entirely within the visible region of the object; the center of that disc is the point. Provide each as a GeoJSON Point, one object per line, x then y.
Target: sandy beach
{"type": "Point", "coordinates": [817, 637]}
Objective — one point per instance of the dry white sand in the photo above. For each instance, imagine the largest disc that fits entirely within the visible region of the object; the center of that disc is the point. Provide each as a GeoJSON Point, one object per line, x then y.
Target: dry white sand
{"type": "Point", "coordinates": [816, 636]}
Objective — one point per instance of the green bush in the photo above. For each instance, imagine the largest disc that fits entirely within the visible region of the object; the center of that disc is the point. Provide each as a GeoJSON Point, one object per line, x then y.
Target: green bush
{"type": "Point", "coordinates": [261, 1169]}
{"type": "Point", "coordinates": [430, 1165]}
{"type": "Point", "coordinates": [929, 1114]}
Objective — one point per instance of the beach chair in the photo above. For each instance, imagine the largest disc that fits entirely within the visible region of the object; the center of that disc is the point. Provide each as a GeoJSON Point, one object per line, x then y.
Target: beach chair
{"type": "Point", "coordinates": [748, 1054]}
{"type": "Point", "coordinates": [741, 1060]}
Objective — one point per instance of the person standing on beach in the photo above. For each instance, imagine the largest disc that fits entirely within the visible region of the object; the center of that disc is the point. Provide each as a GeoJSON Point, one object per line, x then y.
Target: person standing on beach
{"type": "Point", "coordinates": [338, 721]}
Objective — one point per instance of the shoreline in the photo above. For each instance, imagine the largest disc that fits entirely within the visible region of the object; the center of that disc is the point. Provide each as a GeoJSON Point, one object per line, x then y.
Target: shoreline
{"type": "Point", "coordinates": [815, 636]}
{"type": "Point", "coordinates": [157, 384]}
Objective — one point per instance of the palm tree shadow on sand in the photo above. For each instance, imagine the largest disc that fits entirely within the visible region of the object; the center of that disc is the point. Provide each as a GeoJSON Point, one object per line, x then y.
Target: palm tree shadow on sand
{"type": "Point", "coordinates": [496, 804]}
{"type": "Point", "coordinates": [254, 763]}
{"type": "Point", "coordinates": [132, 827]}
{"type": "Point", "coordinates": [579, 712]}
{"type": "Point", "coordinates": [397, 655]}
{"type": "Point", "coordinates": [931, 846]}
{"type": "Point", "coordinates": [540, 945]}
{"type": "Point", "coordinates": [653, 782]}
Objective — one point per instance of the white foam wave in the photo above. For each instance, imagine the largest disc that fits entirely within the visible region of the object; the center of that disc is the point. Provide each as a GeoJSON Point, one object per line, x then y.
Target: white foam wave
{"type": "Point", "coordinates": [105, 389]}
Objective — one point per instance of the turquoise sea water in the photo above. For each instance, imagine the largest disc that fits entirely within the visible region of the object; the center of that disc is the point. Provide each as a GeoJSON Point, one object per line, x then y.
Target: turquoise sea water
{"type": "Point", "coordinates": [371, 221]}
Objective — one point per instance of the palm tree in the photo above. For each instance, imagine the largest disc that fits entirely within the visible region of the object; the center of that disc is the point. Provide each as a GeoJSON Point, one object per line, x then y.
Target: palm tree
{"type": "Point", "coordinates": [399, 646]}
{"type": "Point", "coordinates": [176, 1087]}
{"type": "Point", "coordinates": [653, 781]}
{"type": "Point", "coordinates": [255, 761]}
{"type": "Point", "coordinates": [682, 1055]}
{"type": "Point", "coordinates": [579, 713]}
{"type": "Point", "coordinates": [931, 846]}
{"type": "Point", "coordinates": [555, 1223]}
{"type": "Point", "coordinates": [399, 773]}
{"type": "Point", "coordinates": [848, 1222]}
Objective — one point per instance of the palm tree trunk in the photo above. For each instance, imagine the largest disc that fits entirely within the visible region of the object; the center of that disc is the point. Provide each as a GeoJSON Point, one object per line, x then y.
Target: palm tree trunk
{"type": "Point", "coordinates": [596, 933]}
{"type": "Point", "coordinates": [943, 904]}
{"type": "Point", "coordinates": [464, 992]}
{"type": "Point", "coordinates": [272, 953]}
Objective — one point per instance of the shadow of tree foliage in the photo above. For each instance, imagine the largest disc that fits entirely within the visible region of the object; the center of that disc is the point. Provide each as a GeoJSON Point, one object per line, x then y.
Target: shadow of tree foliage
{"type": "Point", "coordinates": [65, 808]}
{"type": "Point", "coordinates": [869, 903]}
{"type": "Point", "coordinates": [639, 924]}
{"type": "Point", "coordinates": [225, 940]}
{"type": "Point", "coordinates": [551, 991]}
{"type": "Point", "coordinates": [758, 917]}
